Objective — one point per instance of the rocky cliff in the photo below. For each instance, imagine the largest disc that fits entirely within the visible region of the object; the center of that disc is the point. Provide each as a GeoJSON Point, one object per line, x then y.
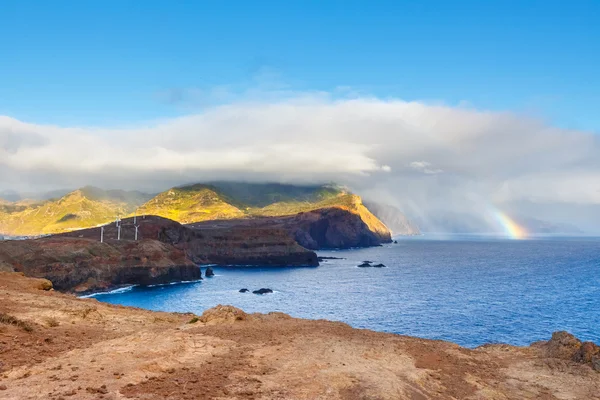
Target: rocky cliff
{"type": "Point", "coordinates": [324, 228]}
{"type": "Point", "coordinates": [223, 245]}
{"type": "Point", "coordinates": [86, 265]}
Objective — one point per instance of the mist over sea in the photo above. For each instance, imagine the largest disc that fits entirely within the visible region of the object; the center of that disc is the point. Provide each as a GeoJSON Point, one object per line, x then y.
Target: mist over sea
{"type": "Point", "coordinates": [466, 289]}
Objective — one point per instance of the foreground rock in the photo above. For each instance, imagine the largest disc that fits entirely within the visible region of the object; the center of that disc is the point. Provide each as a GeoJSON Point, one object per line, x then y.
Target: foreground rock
{"type": "Point", "coordinates": [565, 346]}
{"type": "Point", "coordinates": [83, 349]}
{"type": "Point", "coordinates": [86, 265]}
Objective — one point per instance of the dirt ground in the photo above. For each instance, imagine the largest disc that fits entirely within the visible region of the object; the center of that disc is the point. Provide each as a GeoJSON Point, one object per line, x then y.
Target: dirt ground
{"type": "Point", "coordinates": [55, 346]}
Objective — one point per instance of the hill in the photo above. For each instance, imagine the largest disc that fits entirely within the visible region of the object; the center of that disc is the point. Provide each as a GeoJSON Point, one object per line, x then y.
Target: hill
{"type": "Point", "coordinates": [88, 207]}
{"type": "Point", "coordinates": [250, 201]}
{"type": "Point", "coordinates": [81, 208]}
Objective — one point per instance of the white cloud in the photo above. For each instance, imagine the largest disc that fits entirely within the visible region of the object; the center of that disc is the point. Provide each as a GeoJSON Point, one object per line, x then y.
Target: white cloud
{"type": "Point", "coordinates": [426, 156]}
{"type": "Point", "coordinates": [425, 167]}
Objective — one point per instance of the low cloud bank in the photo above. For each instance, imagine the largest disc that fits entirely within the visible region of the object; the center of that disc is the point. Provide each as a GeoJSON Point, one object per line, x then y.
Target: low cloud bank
{"type": "Point", "coordinates": [423, 158]}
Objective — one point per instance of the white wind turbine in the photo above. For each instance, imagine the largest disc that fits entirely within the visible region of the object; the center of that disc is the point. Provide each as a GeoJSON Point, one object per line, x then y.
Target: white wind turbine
{"type": "Point", "coordinates": [118, 222]}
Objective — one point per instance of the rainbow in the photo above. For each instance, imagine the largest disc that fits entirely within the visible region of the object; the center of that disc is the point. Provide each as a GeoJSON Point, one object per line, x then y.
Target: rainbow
{"type": "Point", "coordinates": [510, 227]}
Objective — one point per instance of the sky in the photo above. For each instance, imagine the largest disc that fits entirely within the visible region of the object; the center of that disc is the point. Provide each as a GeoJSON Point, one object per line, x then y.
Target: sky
{"type": "Point", "coordinates": [433, 105]}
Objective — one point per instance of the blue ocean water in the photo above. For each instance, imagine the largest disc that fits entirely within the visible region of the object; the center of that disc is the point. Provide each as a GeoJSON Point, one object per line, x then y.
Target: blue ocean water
{"type": "Point", "coordinates": [468, 290]}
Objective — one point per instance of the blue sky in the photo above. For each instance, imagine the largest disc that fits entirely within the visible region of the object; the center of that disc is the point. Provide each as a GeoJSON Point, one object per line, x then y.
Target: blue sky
{"type": "Point", "coordinates": [107, 63]}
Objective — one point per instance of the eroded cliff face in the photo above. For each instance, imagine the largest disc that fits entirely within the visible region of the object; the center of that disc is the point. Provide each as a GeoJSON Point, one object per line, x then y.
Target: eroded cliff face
{"type": "Point", "coordinates": [215, 244]}
{"type": "Point", "coordinates": [337, 228]}
{"type": "Point", "coordinates": [325, 228]}
{"type": "Point", "coordinates": [85, 265]}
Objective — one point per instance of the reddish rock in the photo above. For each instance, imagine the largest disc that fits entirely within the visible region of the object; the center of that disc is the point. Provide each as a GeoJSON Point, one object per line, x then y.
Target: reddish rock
{"type": "Point", "coordinates": [587, 352]}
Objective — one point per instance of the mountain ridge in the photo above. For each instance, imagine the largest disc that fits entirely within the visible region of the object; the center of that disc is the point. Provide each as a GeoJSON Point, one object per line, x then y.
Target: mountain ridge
{"type": "Point", "coordinates": [90, 206]}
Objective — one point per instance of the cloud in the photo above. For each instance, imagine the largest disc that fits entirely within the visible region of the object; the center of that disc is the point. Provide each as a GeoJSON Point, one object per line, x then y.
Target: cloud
{"type": "Point", "coordinates": [421, 156]}
{"type": "Point", "coordinates": [424, 167]}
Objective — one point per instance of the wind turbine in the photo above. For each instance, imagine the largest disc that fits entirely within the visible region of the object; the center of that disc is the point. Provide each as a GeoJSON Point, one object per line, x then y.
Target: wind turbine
{"type": "Point", "coordinates": [102, 234]}
{"type": "Point", "coordinates": [136, 231]}
{"type": "Point", "coordinates": [119, 230]}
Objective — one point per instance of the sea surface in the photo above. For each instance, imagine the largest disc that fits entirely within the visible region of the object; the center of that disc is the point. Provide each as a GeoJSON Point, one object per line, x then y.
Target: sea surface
{"type": "Point", "coordinates": [466, 289]}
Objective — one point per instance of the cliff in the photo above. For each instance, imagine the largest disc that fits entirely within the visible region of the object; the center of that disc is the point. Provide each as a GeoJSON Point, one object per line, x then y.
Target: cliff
{"type": "Point", "coordinates": [235, 245]}
{"type": "Point", "coordinates": [322, 211]}
{"type": "Point", "coordinates": [86, 265]}
{"type": "Point", "coordinates": [323, 228]}
{"type": "Point", "coordinates": [56, 346]}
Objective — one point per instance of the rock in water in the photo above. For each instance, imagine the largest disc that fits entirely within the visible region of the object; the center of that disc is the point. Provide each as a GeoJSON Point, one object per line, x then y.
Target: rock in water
{"type": "Point", "coordinates": [262, 291]}
{"type": "Point", "coordinates": [379, 266]}
{"type": "Point", "coordinates": [209, 272]}
{"type": "Point", "coordinates": [244, 290]}
{"type": "Point", "coordinates": [365, 265]}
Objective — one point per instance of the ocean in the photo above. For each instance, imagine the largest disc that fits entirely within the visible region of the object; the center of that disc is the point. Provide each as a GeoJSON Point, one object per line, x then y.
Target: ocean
{"type": "Point", "coordinates": [466, 289]}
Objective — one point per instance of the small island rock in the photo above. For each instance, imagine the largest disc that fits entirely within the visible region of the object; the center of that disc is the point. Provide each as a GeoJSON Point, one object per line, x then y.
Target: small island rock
{"type": "Point", "coordinates": [262, 291]}
{"type": "Point", "coordinates": [209, 272]}
{"type": "Point", "coordinates": [244, 290]}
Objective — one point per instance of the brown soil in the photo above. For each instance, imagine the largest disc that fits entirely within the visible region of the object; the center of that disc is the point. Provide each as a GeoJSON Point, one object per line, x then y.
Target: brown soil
{"type": "Point", "coordinates": [83, 349]}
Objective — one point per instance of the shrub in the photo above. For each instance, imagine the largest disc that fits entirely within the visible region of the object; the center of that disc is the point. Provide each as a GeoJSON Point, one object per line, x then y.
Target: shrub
{"type": "Point", "coordinates": [10, 320]}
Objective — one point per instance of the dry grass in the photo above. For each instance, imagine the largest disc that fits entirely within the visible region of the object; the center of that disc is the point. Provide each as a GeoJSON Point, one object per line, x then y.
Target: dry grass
{"type": "Point", "coordinates": [52, 322]}
{"type": "Point", "coordinates": [10, 320]}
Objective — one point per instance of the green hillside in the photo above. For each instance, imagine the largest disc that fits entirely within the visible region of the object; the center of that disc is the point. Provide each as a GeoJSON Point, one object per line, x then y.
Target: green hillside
{"type": "Point", "coordinates": [90, 206]}
{"type": "Point", "coordinates": [192, 204]}
{"type": "Point", "coordinates": [227, 200]}
{"type": "Point", "coordinates": [81, 208]}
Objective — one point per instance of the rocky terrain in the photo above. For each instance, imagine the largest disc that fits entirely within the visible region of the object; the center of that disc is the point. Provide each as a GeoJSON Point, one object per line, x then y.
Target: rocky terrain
{"type": "Point", "coordinates": [219, 245]}
{"type": "Point", "coordinates": [346, 225]}
{"type": "Point", "coordinates": [54, 346]}
{"type": "Point", "coordinates": [85, 265]}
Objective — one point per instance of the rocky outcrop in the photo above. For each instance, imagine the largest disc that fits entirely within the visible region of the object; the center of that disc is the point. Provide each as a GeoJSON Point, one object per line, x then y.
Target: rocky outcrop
{"type": "Point", "coordinates": [334, 228]}
{"type": "Point", "coordinates": [84, 265]}
{"type": "Point", "coordinates": [369, 264]}
{"type": "Point", "coordinates": [262, 291]}
{"type": "Point", "coordinates": [566, 346]}
{"type": "Point", "coordinates": [325, 228]}
{"type": "Point", "coordinates": [218, 244]}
